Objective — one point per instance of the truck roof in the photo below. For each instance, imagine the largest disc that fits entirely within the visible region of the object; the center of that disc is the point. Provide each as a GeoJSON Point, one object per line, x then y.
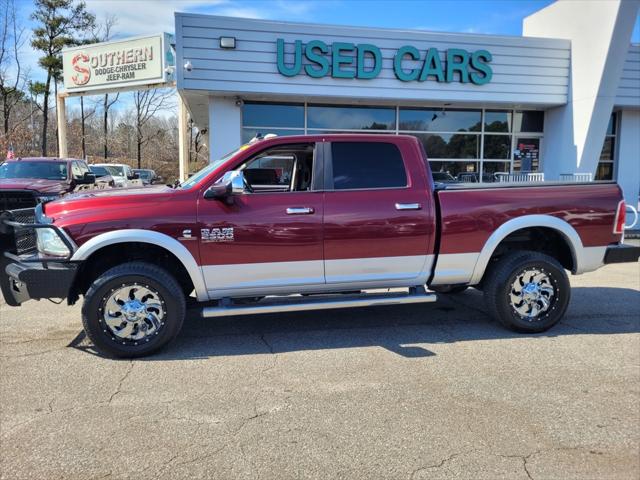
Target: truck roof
{"type": "Point", "coordinates": [43, 159]}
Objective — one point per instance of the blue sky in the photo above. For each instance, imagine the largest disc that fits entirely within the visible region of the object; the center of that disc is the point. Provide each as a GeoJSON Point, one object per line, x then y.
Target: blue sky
{"type": "Point", "coordinates": [139, 17]}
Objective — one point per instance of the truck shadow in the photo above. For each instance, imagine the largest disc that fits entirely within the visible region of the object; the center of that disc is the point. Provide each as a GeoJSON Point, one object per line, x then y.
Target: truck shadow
{"type": "Point", "coordinates": [406, 330]}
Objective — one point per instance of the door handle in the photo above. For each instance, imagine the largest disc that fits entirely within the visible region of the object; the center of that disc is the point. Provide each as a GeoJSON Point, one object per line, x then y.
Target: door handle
{"type": "Point", "coordinates": [299, 211]}
{"type": "Point", "coordinates": [408, 206]}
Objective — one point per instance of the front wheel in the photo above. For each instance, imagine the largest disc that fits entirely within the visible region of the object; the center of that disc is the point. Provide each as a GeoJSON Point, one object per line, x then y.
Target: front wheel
{"type": "Point", "coordinates": [133, 310]}
{"type": "Point", "coordinates": [527, 291]}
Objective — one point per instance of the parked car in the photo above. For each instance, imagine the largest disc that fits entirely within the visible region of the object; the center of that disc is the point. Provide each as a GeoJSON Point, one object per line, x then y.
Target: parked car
{"type": "Point", "coordinates": [123, 175]}
{"type": "Point", "coordinates": [104, 175]}
{"type": "Point", "coordinates": [356, 212]}
{"type": "Point", "coordinates": [25, 182]}
{"type": "Point", "coordinates": [147, 175]}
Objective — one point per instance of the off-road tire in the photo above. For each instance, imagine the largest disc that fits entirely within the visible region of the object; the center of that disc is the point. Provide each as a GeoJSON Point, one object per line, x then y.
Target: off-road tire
{"type": "Point", "coordinates": [141, 273]}
{"type": "Point", "coordinates": [497, 287]}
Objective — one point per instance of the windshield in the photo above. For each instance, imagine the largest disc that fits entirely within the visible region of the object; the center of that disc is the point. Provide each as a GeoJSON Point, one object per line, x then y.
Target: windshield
{"type": "Point", "coordinates": [99, 171]}
{"type": "Point", "coordinates": [117, 170]}
{"type": "Point", "coordinates": [28, 169]}
{"type": "Point", "coordinates": [196, 177]}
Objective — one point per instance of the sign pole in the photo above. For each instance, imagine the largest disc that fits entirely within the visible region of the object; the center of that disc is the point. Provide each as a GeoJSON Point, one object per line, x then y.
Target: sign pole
{"type": "Point", "coordinates": [62, 126]}
{"type": "Point", "coordinates": [183, 145]}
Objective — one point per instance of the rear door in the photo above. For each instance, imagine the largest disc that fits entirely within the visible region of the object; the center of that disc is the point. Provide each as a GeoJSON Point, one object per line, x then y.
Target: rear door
{"type": "Point", "coordinates": [379, 222]}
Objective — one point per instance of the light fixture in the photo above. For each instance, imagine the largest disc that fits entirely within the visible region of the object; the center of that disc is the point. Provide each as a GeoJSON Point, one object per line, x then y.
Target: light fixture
{"type": "Point", "coordinates": [227, 42]}
{"type": "Point", "coordinates": [188, 66]}
{"type": "Point", "coordinates": [239, 102]}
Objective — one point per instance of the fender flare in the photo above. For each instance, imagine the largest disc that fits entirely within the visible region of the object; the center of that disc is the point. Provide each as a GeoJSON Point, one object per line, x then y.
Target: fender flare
{"type": "Point", "coordinates": [528, 221]}
{"type": "Point", "coordinates": [155, 238]}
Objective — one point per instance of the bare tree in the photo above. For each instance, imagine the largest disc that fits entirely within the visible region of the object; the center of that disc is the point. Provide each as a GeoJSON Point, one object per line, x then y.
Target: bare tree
{"type": "Point", "coordinates": [102, 33]}
{"type": "Point", "coordinates": [12, 78]}
{"type": "Point", "coordinates": [147, 103]}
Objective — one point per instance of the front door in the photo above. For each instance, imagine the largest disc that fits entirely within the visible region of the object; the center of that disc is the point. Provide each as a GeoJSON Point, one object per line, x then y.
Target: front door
{"type": "Point", "coordinates": [378, 220]}
{"type": "Point", "coordinates": [269, 238]}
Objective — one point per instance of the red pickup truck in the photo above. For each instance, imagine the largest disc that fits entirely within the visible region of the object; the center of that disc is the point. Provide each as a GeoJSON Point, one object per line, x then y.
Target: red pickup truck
{"type": "Point", "coordinates": [306, 223]}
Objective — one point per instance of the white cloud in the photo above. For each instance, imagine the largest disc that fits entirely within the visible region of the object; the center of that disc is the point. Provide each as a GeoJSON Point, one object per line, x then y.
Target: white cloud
{"type": "Point", "coordinates": [143, 17]}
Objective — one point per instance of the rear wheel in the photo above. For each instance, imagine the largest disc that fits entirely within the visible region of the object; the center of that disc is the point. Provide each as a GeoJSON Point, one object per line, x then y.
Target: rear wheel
{"type": "Point", "coordinates": [133, 310]}
{"type": "Point", "coordinates": [527, 291]}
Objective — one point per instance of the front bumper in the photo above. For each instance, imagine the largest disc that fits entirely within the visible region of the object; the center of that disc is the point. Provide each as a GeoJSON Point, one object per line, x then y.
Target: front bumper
{"type": "Point", "coordinates": [621, 254]}
{"type": "Point", "coordinates": [22, 281]}
{"type": "Point", "coordinates": [24, 273]}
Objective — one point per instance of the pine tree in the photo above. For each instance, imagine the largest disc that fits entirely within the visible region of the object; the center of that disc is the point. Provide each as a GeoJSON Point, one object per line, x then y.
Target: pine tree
{"type": "Point", "coordinates": [60, 24]}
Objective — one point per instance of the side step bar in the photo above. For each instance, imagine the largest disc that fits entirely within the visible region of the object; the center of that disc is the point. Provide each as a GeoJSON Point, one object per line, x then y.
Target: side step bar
{"type": "Point", "coordinates": [301, 303]}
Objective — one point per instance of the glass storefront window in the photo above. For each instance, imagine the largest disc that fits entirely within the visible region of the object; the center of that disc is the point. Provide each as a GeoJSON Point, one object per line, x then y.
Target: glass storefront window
{"type": "Point", "coordinates": [273, 115]}
{"type": "Point", "coordinates": [497, 121]}
{"type": "Point", "coordinates": [607, 149]}
{"type": "Point", "coordinates": [439, 120]}
{"type": "Point", "coordinates": [458, 170]}
{"type": "Point", "coordinates": [465, 141]}
{"type": "Point", "coordinates": [607, 155]}
{"type": "Point", "coordinates": [528, 121]}
{"type": "Point", "coordinates": [351, 118]}
{"type": "Point", "coordinates": [497, 147]}
{"type": "Point", "coordinates": [526, 155]}
{"type": "Point", "coordinates": [249, 133]}
{"type": "Point", "coordinates": [604, 171]}
{"type": "Point", "coordinates": [450, 145]}
{"type": "Point", "coordinates": [492, 170]}
{"type": "Point", "coordinates": [330, 132]}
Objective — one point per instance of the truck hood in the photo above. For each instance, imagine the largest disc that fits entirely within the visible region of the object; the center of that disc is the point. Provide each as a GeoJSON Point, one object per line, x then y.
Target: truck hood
{"type": "Point", "coordinates": [96, 201]}
{"type": "Point", "coordinates": [36, 184]}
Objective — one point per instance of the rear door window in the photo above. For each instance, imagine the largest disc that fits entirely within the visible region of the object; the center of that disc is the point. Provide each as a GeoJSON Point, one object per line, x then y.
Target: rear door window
{"type": "Point", "coordinates": [367, 165]}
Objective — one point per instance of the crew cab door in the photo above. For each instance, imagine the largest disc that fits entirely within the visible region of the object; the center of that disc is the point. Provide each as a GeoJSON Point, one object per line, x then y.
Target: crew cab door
{"type": "Point", "coordinates": [270, 238]}
{"type": "Point", "coordinates": [379, 221]}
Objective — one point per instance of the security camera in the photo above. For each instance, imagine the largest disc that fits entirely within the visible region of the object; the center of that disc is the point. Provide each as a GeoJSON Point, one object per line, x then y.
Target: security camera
{"type": "Point", "coordinates": [188, 66]}
{"type": "Point", "coordinates": [239, 102]}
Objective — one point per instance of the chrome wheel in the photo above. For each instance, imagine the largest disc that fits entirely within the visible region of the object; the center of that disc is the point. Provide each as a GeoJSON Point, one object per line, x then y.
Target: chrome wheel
{"type": "Point", "coordinates": [532, 294]}
{"type": "Point", "coordinates": [133, 313]}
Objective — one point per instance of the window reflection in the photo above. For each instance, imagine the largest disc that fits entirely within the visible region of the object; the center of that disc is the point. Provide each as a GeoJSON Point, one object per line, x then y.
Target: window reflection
{"type": "Point", "coordinates": [351, 118]}
{"type": "Point", "coordinates": [452, 145]}
{"type": "Point", "coordinates": [273, 115]}
{"type": "Point", "coordinates": [439, 120]}
{"type": "Point", "coordinates": [497, 121]}
{"type": "Point", "coordinates": [497, 146]}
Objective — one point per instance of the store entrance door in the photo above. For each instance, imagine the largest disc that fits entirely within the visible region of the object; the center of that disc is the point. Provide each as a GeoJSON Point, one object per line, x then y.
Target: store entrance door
{"type": "Point", "coordinates": [526, 155]}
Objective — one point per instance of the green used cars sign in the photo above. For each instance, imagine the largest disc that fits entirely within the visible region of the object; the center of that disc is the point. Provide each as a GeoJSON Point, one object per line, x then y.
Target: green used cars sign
{"type": "Point", "coordinates": [347, 60]}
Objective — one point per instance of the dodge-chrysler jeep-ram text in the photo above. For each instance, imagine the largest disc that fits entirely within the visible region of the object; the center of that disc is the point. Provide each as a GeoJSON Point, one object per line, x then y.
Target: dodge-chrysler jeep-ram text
{"type": "Point", "coordinates": [306, 223]}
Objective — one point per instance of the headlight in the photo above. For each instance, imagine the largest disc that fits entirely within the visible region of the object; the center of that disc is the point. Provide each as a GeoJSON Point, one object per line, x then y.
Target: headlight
{"type": "Point", "coordinates": [50, 244]}
{"type": "Point", "coordinates": [47, 198]}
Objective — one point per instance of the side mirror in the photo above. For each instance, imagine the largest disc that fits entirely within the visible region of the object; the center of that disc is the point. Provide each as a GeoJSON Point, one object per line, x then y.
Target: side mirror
{"type": "Point", "coordinates": [87, 179]}
{"type": "Point", "coordinates": [232, 183]}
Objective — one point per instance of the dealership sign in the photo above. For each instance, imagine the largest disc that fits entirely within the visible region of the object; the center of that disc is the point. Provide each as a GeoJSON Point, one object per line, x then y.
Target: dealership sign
{"type": "Point", "coordinates": [133, 62]}
{"type": "Point", "coordinates": [347, 60]}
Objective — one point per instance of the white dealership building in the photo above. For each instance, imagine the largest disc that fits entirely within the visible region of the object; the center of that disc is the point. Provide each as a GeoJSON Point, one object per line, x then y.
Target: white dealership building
{"type": "Point", "coordinates": [562, 100]}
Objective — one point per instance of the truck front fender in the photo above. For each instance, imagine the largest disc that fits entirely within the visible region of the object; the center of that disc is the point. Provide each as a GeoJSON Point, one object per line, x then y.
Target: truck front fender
{"type": "Point", "coordinates": [151, 237]}
{"type": "Point", "coordinates": [583, 259]}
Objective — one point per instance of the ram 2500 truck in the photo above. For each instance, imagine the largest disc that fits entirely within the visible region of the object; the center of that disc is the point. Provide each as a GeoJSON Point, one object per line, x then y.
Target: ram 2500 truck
{"type": "Point", "coordinates": [307, 223]}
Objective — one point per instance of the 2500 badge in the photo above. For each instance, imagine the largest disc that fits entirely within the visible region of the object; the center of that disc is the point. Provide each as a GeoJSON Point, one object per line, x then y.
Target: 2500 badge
{"type": "Point", "coordinates": [217, 234]}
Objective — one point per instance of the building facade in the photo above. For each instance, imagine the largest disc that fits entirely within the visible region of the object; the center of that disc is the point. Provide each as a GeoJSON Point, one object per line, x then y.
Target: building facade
{"type": "Point", "coordinates": [563, 99]}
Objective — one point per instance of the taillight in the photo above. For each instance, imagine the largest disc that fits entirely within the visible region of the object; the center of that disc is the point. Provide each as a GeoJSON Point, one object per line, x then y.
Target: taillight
{"type": "Point", "coordinates": [621, 212]}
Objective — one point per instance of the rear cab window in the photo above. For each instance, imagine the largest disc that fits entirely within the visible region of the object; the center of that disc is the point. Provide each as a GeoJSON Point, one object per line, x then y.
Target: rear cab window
{"type": "Point", "coordinates": [366, 165]}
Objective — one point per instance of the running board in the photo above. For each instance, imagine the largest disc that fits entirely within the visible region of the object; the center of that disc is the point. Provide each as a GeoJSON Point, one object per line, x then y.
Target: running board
{"type": "Point", "coordinates": [301, 303]}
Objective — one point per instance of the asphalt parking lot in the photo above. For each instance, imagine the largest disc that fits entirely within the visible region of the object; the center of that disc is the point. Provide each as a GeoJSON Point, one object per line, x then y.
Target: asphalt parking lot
{"type": "Point", "coordinates": [408, 392]}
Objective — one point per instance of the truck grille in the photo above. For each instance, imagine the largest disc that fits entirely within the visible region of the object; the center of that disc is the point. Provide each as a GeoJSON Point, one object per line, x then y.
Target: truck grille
{"type": "Point", "coordinates": [24, 238]}
{"type": "Point", "coordinates": [13, 199]}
